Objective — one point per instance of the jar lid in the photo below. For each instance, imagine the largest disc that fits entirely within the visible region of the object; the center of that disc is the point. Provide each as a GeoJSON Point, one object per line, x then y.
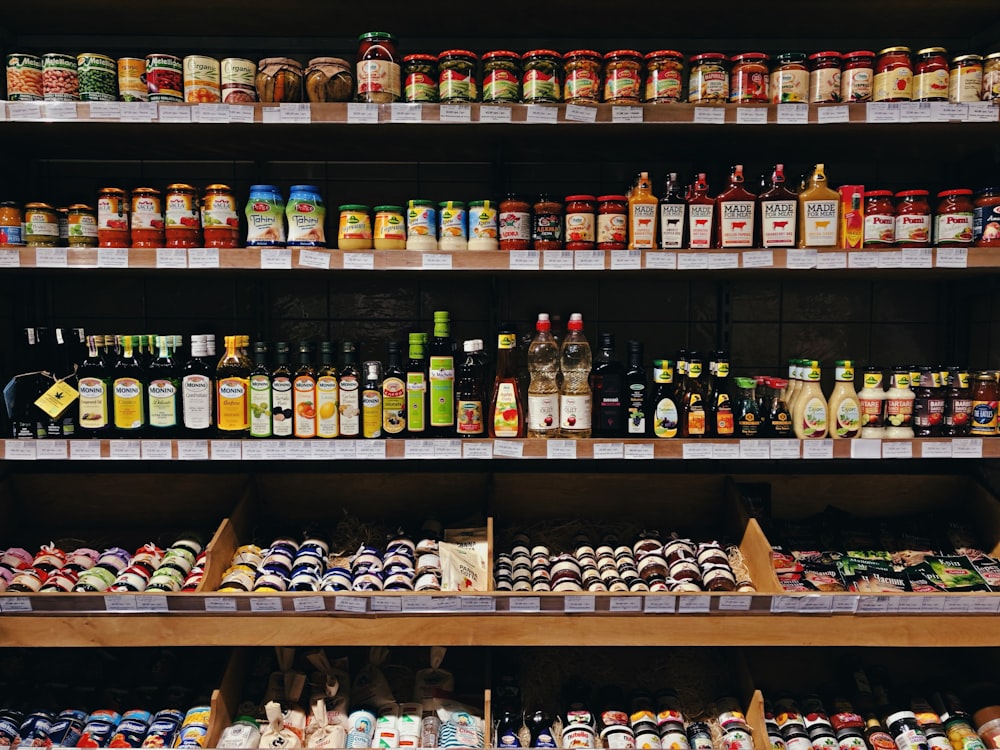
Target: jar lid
{"type": "Point", "coordinates": [571, 198]}
{"type": "Point", "coordinates": [541, 53]}
{"type": "Point", "coordinates": [451, 204]}
{"type": "Point", "coordinates": [890, 50]}
{"type": "Point", "coordinates": [354, 207]}
{"type": "Point", "coordinates": [993, 56]}
{"type": "Point", "coordinates": [117, 191]}
{"type": "Point", "coordinates": [830, 53]}
{"type": "Point", "coordinates": [145, 191]}
{"type": "Point", "coordinates": [376, 35]}
{"type": "Point", "coordinates": [859, 53]}
{"type": "Point", "coordinates": [457, 53]}
{"type": "Point", "coordinates": [899, 715]}
{"type": "Point", "coordinates": [289, 61]}
{"type": "Point", "coordinates": [595, 53]}
{"type": "Point", "coordinates": [394, 209]}
{"type": "Point", "coordinates": [330, 61]}
{"type": "Point", "coordinates": [39, 205]}
{"type": "Point", "coordinates": [493, 54]}
{"type": "Point", "coordinates": [988, 191]}
{"type": "Point", "coordinates": [622, 53]}
{"type": "Point", "coordinates": [967, 58]}
{"type": "Point", "coordinates": [301, 189]}
{"type": "Point", "coordinates": [419, 202]}
{"type": "Point", "coordinates": [180, 186]}
{"type": "Point", "coordinates": [748, 56]}
{"type": "Point", "coordinates": [790, 57]}
{"type": "Point", "coordinates": [961, 191]}
{"type": "Point", "coordinates": [612, 198]}
{"type": "Point", "coordinates": [8, 204]}
{"type": "Point", "coordinates": [217, 187]}
{"type": "Point", "coordinates": [878, 194]}
{"type": "Point", "coordinates": [912, 194]}
{"type": "Point", "coordinates": [420, 58]}
{"type": "Point", "coordinates": [708, 56]}
{"type": "Point", "coordinates": [253, 188]}
{"type": "Point", "coordinates": [932, 51]}
{"type": "Point", "coordinates": [664, 53]}
{"type": "Point", "coordinates": [484, 202]}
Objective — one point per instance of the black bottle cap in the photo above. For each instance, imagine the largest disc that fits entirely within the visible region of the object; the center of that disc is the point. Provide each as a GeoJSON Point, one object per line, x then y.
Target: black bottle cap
{"type": "Point", "coordinates": [635, 346]}
{"type": "Point", "coordinates": [348, 347]}
{"type": "Point", "coordinates": [281, 347]}
{"type": "Point", "coordinates": [259, 347]}
{"type": "Point", "coordinates": [326, 347]}
{"type": "Point", "coordinates": [607, 341]}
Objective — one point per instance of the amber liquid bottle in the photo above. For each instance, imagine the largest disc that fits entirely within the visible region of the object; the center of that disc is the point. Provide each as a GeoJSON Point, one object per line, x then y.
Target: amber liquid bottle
{"type": "Point", "coordinates": [735, 212]}
{"type": "Point", "coordinates": [693, 406]}
{"type": "Point", "coordinates": [642, 210]}
{"type": "Point", "coordinates": [778, 212]}
{"type": "Point", "coordinates": [701, 215]}
{"type": "Point", "coordinates": [506, 413]}
{"type": "Point", "coordinates": [819, 212]}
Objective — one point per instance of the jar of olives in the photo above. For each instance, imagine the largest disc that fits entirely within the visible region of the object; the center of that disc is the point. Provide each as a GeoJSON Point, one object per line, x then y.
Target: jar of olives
{"type": "Point", "coordinates": [457, 77]}
{"type": "Point", "coordinates": [501, 77]}
{"type": "Point", "coordinates": [542, 76]}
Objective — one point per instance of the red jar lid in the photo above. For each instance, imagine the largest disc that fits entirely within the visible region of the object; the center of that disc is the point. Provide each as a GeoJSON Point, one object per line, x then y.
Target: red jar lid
{"type": "Point", "coordinates": [946, 193]}
{"type": "Point", "coordinates": [912, 194]}
{"type": "Point", "coordinates": [612, 199]}
{"type": "Point", "coordinates": [583, 53]}
{"type": "Point", "coordinates": [664, 53]}
{"type": "Point", "coordinates": [817, 55]}
{"type": "Point", "coordinates": [860, 53]}
{"type": "Point", "coordinates": [748, 56]}
{"type": "Point", "coordinates": [497, 53]}
{"type": "Point", "coordinates": [878, 194]}
{"type": "Point", "coordinates": [708, 56]}
{"type": "Point", "coordinates": [573, 198]}
{"type": "Point", "coordinates": [541, 53]}
{"type": "Point", "coordinates": [622, 53]}
{"type": "Point", "coordinates": [457, 53]}
{"type": "Point", "coordinates": [420, 58]}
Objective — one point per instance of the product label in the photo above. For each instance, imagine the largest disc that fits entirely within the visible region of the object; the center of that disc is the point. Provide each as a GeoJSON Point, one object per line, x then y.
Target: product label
{"type": "Point", "coordinates": [778, 223]}
{"type": "Point", "coordinates": [420, 87]}
{"type": "Point", "coordinates": [612, 228]}
{"type": "Point", "coordinates": [543, 413]}
{"type": "Point", "coordinates": [709, 83]}
{"type": "Point", "coordinates": [856, 85]}
{"type": "Point", "coordinates": [93, 403]}
{"type": "Point", "coordinates": [893, 84]}
{"type": "Point", "coordinates": [695, 415]}
{"type": "Point", "coordinates": [913, 228]}
{"type": "Point", "coordinates": [821, 223]}
{"type": "Point", "coordinates": [128, 412]}
{"type": "Point", "coordinates": [928, 412]}
{"type": "Point", "coordinates": [643, 226]}
{"type": "Point", "coordinates": [233, 400]}
{"type": "Point", "coordinates": [515, 225]}
{"type": "Point", "coordinates": [931, 86]}
{"type": "Point", "coordinates": [220, 211]}
{"type": "Point", "coordinates": [416, 398]}
{"type": "Point", "coordinates": [350, 406]}
{"type": "Point", "coordinates": [725, 421]}
{"type": "Point", "coordinates": [112, 213]}
{"type": "Point", "coordinates": [83, 225]}
{"type": "Point", "coordinates": [304, 398]}
{"type": "Point", "coordinates": [574, 412]}
{"type": "Point", "coordinates": [500, 86]}
{"type": "Point", "coordinates": [327, 416]}
{"type": "Point", "coordinates": [848, 418]}
{"type": "Point", "coordinates": [986, 222]}
{"type": "Point", "coordinates": [960, 413]}
{"type": "Point", "coordinates": [579, 227]}
{"type": "Point", "coordinates": [371, 410]}
{"type": "Point", "coordinates": [749, 425]}
{"type": "Point", "coordinates": [201, 79]}
{"type": "Point", "coordinates": [265, 222]}
{"type": "Point", "coordinates": [908, 738]}
{"type": "Point", "coordinates": [421, 221]}
{"type": "Point", "coordinates": [162, 397]}
{"type": "Point", "coordinates": [636, 409]}
{"type": "Point", "coordinates": [505, 412]}
{"type": "Point", "coordinates": [196, 401]}
{"type": "Point", "coordinates": [700, 222]}
{"type": "Point", "coordinates": [622, 83]}
{"type": "Point", "coordinates": [389, 226]}
{"type": "Point", "coordinates": [871, 412]}
{"type": "Point", "coordinates": [146, 213]}
{"type": "Point", "coordinates": [984, 418]}
{"type": "Point", "coordinates": [814, 418]}
{"type": "Point", "coordinates": [898, 412]}
{"type": "Point", "coordinates": [354, 225]}
{"type": "Point", "coordinates": [582, 84]}
{"type": "Point", "coordinates": [880, 229]}
{"type": "Point", "coordinates": [542, 86]}
{"type": "Point", "coordinates": [393, 405]}
{"type": "Point", "coordinates": [953, 228]}
{"type": "Point", "coordinates": [737, 224]}
{"type": "Point", "coordinates": [965, 84]}
{"type": "Point", "coordinates": [547, 228]}
{"type": "Point", "coordinates": [671, 225]}
{"type": "Point", "coordinates": [182, 211]}
{"type": "Point", "coordinates": [664, 86]}
{"type": "Point", "coordinates": [260, 406]}
{"type": "Point", "coordinates": [455, 84]}
{"type": "Point", "coordinates": [824, 85]}
{"type": "Point", "coordinates": [789, 86]}
{"type": "Point", "coordinates": [442, 391]}
{"type": "Point", "coordinates": [470, 417]}
{"type": "Point", "coordinates": [378, 77]}
{"type": "Point", "coordinates": [453, 222]}
{"type": "Point", "coordinates": [483, 222]}
{"type": "Point", "coordinates": [282, 422]}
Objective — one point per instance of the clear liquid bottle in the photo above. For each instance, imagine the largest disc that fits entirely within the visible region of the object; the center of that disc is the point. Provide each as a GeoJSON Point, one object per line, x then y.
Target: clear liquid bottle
{"type": "Point", "coordinates": [607, 381]}
{"type": "Point", "coordinates": [543, 388]}
{"type": "Point", "coordinates": [575, 396]}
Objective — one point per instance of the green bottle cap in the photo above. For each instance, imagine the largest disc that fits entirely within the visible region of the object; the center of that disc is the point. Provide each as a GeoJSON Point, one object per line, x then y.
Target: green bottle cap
{"type": "Point", "coordinates": [441, 316]}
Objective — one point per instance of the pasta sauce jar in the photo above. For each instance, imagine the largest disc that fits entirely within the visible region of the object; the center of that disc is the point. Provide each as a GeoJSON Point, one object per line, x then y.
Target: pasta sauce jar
{"type": "Point", "coordinates": [954, 217]}
{"type": "Point", "coordinates": [612, 222]}
{"type": "Point", "coordinates": [880, 218]}
{"type": "Point", "coordinates": [824, 77]}
{"type": "Point", "coordinates": [857, 76]}
{"type": "Point", "coordinates": [708, 82]}
{"type": "Point", "coordinates": [790, 78]}
{"type": "Point", "coordinates": [182, 216]}
{"type": "Point", "coordinates": [622, 77]}
{"type": "Point", "coordinates": [748, 79]}
{"type": "Point", "coordinates": [220, 217]}
{"type": "Point", "coordinates": [893, 75]}
{"type": "Point", "coordinates": [112, 218]}
{"type": "Point", "coordinates": [986, 218]}
{"type": "Point", "coordinates": [664, 76]}
{"type": "Point", "coordinates": [515, 223]}
{"type": "Point", "coordinates": [147, 218]}
{"type": "Point", "coordinates": [965, 79]}
{"type": "Point", "coordinates": [580, 222]}
{"type": "Point", "coordinates": [913, 219]}
{"type": "Point", "coordinates": [930, 79]}
{"type": "Point", "coordinates": [547, 224]}
{"type": "Point", "coordinates": [583, 77]}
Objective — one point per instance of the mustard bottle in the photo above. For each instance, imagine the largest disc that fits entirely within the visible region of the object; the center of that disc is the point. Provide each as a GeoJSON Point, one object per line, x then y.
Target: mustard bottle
{"type": "Point", "coordinates": [819, 212]}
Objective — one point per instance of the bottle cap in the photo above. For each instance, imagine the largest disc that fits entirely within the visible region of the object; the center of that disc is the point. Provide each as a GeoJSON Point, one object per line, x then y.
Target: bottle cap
{"type": "Point", "coordinates": [575, 322]}
{"type": "Point", "coordinates": [259, 347]}
{"type": "Point", "coordinates": [543, 323]}
{"type": "Point", "coordinates": [441, 316]}
{"type": "Point", "coordinates": [634, 346]}
{"type": "Point", "coordinates": [415, 338]}
{"type": "Point", "coordinates": [326, 347]}
{"type": "Point", "coordinates": [348, 347]}
{"type": "Point", "coordinates": [305, 347]}
{"type": "Point", "coordinates": [281, 347]}
{"type": "Point", "coordinates": [472, 345]}
{"type": "Point", "coordinates": [607, 341]}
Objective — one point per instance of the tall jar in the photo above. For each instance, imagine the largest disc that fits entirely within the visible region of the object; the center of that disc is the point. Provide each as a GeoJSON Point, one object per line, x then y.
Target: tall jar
{"type": "Point", "coordinates": [378, 68]}
{"type": "Point", "coordinates": [421, 82]}
{"type": "Point", "coordinates": [501, 77]}
{"type": "Point", "coordinates": [991, 77]}
{"type": "Point", "coordinates": [220, 217]}
{"type": "Point", "coordinates": [930, 79]}
{"type": "Point", "coordinates": [542, 77]}
{"type": "Point", "coordinates": [748, 78]}
{"type": "Point", "coordinates": [664, 77]}
{"type": "Point", "coordinates": [880, 219]}
{"type": "Point", "coordinates": [457, 77]}
{"type": "Point", "coordinates": [953, 218]}
{"type": "Point", "coordinates": [112, 218]}
{"type": "Point", "coordinates": [583, 76]}
{"type": "Point", "coordinates": [913, 219]}
{"type": "Point", "coordinates": [790, 78]}
{"type": "Point", "coordinates": [623, 77]}
{"type": "Point", "coordinates": [965, 79]}
{"type": "Point", "coordinates": [824, 77]}
{"type": "Point", "coordinates": [41, 225]}
{"type": "Point", "coordinates": [515, 223]}
{"type": "Point", "coordinates": [547, 224]}
{"type": "Point", "coordinates": [893, 75]}
{"type": "Point", "coordinates": [147, 218]}
{"type": "Point", "coordinates": [708, 81]}
{"type": "Point", "coordinates": [11, 226]}
{"type": "Point", "coordinates": [182, 216]}
{"type": "Point", "coordinates": [580, 222]}
{"type": "Point", "coordinates": [612, 222]}
{"type": "Point", "coordinates": [306, 216]}
{"type": "Point", "coordinates": [857, 76]}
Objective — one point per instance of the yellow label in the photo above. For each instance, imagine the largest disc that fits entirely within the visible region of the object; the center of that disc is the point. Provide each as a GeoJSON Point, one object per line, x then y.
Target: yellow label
{"type": "Point", "coordinates": [371, 413]}
{"type": "Point", "coordinates": [233, 398]}
{"type": "Point", "coordinates": [327, 403]}
{"type": "Point", "coordinates": [128, 403]}
{"type": "Point", "coordinates": [393, 405]}
{"type": "Point", "coordinates": [93, 403]}
{"type": "Point", "coordinates": [57, 399]}
{"type": "Point", "coordinates": [506, 341]}
{"type": "Point", "coordinates": [389, 226]}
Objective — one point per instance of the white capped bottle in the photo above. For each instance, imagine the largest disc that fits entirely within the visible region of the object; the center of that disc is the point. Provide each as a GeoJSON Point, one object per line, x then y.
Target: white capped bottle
{"type": "Point", "coordinates": [871, 397]}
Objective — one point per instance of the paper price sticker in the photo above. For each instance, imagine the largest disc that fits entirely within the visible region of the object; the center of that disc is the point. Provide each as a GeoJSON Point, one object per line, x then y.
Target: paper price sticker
{"type": "Point", "coordinates": [580, 113]}
{"type": "Point", "coordinates": [455, 113]}
{"type": "Point", "coordinates": [665, 261]}
{"type": "Point", "coordinates": [171, 257]}
{"type": "Point", "coordinates": [557, 260]}
{"type": "Point", "coordinates": [10, 258]}
{"type": "Point", "coordinates": [477, 449]}
{"type": "Point", "coordinates": [298, 113]}
{"type": "Point", "coordinates": [917, 257]}
{"type": "Point", "coordinates": [882, 112]}
{"type": "Point", "coordinates": [663, 604]}
{"type": "Point", "coordinates": [873, 604]}
{"type": "Point", "coordinates": [524, 604]}
{"type": "Point", "coordinates": [151, 603]}
{"type": "Point", "coordinates": [829, 115]}
{"type": "Point", "coordinates": [588, 260]}
{"type": "Point", "coordinates": [398, 112]}
{"type": "Point", "coordinates": [609, 450]}
{"type": "Point", "coordinates": [721, 261]}
{"type": "Point", "coordinates": [418, 449]}
{"type": "Point", "coordinates": [448, 449]}
{"type": "Point", "coordinates": [735, 602]}
{"type": "Point", "coordinates": [120, 603]}
{"type": "Point", "coordinates": [275, 259]}
{"type": "Point", "coordinates": [488, 113]}
{"type": "Point", "coordinates": [15, 604]}
{"type": "Point", "coordinates": [693, 604]}
{"type": "Point", "coordinates": [725, 451]}
{"type": "Point", "coordinates": [314, 259]}
{"type": "Point", "coordinates": [124, 450]}
{"type": "Point", "coordinates": [625, 604]}
{"type": "Point", "coordinates": [751, 116]}
{"type": "Point", "coordinates": [314, 603]}
{"type": "Point", "coordinates": [359, 261]}
{"type": "Point", "coordinates": [866, 448]}
{"type": "Point", "coordinates": [51, 257]}
{"type": "Point", "coordinates": [758, 259]}
{"type": "Point", "coordinates": [352, 604]}
{"type": "Point", "coordinates": [240, 113]}
{"type": "Point", "coordinates": [542, 113]}
{"type": "Point", "coordinates": [436, 261]}
{"type": "Point", "coordinates": [710, 115]}
{"type": "Point", "coordinates": [793, 114]}
{"type": "Point", "coordinates": [84, 450]}
{"type": "Point", "coordinates": [900, 449]}
{"type": "Point", "coordinates": [112, 257]}
{"type": "Point", "coordinates": [639, 452]}
{"type": "Point", "coordinates": [845, 603]}
{"type": "Point", "coordinates": [933, 603]}
{"type": "Point", "coordinates": [386, 604]}
{"type": "Point", "coordinates": [220, 604]}
{"type": "Point", "coordinates": [890, 259]}
{"type": "Point", "coordinates": [831, 261]}
{"type": "Point", "coordinates": [508, 448]}
{"type": "Point", "coordinates": [967, 448]}
{"type": "Point", "coordinates": [226, 450]}
{"type": "Point", "coordinates": [560, 449]}
{"type": "Point", "coordinates": [936, 449]}
{"type": "Point", "coordinates": [697, 451]}
{"type": "Point", "coordinates": [782, 604]}
{"type": "Point", "coordinates": [370, 449]}
{"type": "Point", "coordinates": [755, 449]}
{"type": "Point", "coordinates": [192, 450]}
{"type": "Point", "coordinates": [627, 114]}
{"type": "Point", "coordinates": [952, 257]}
{"type": "Point", "coordinates": [579, 603]}
{"type": "Point", "coordinates": [524, 260]}
{"type": "Point", "coordinates": [626, 260]}
{"type": "Point", "coordinates": [265, 604]}
{"type": "Point", "coordinates": [363, 113]}
{"type": "Point", "coordinates": [862, 259]}
{"type": "Point", "coordinates": [692, 262]}
{"type": "Point", "coordinates": [816, 604]}
{"type": "Point", "coordinates": [817, 449]}
{"type": "Point", "coordinates": [478, 603]}
{"type": "Point", "coordinates": [53, 450]}
{"type": "Point", "coordinates": [801, 259]}
{"type": "Point", "coordinates": [203, 257]}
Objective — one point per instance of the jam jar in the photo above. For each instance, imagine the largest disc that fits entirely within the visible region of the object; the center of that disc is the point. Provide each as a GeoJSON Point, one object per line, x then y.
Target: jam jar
{"type": "Point", "coordinates": [623, 77]}
{"type": "Point", "coordinates": [857, 76]}
{"type": "Point", "coordinates": [965, 79]}
{"type": "Point", "coordinates": [913, 219]}
{"type": "Point", "coordinates": [893, 75]}
{"type": "Point", "coordinates": [954, 217]}
{"type": "Point", "coordinates": [880, 218]}
{"type": "Point", "coordinates": [457, 77]}
{"type": "Point", "coordinates": [542, 80]}
{"type": "Point", "coordinates": [708, 82]}
{"type": "Point", "coordinates": [930, 75]}
{"type": "Point", "coordinates": [748, 78]}
{"type": "Point", "coordinates": [378, 68]}
{"type": "Point", "coordinates": [790, 78]}
{"type": "Point", "coordinates": [421, 81]}
{"type": "Point", "coordinates": [612, 222]}
{"type": "Point", "coordinates": [583, 77]}
{"type": "Point", "coordinates": [580, 221]}
{"type": "Point", "coordinates": [824, 77]}
{"type": "Point", "coordinates": [515, 223]}
{"type": "Point", "coordinates": [664, 76]}
{"type": "Point", "coordinates": [547, 224]}
{"type": "Point", "coordinates": [501, 77]}
{"type": "Point", "coordinates": [986, 218]}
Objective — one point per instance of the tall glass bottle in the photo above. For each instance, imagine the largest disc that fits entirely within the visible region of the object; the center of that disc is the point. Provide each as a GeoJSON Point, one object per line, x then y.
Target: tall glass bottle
{"type": "Point", "coordinates": [441, 378]}
{"type": "Point", "coordinates": [416, 387]}
{"type": "Point", "coordinates": [693, 418]}
{"type": "Point", "coordinates": [327, 394]}
{"type": "Point", "coordinates": [469, 391]}
{"type": "Point", "coordinates": [663, 406]}
{"type": "Point", "coordinates": [958, 411]}
{"type": "Point", "coordinates": [607, 381]}
{"type": "Point", "coordinates": [393, 394]}
{"type": "Point", "coordinates": [642, 210]}
{"type": "Point", "coordinates": [304, 393]}
{"type": "Point", "coordinates": [198, 390]}
{"type": "Point", "coordinates": [637, 392]}
{"type": "Point", "coordinates": [232, 378]}
{"type": "Point", "coordinates": [575, 396]}
{"type": "Point", "coordinates": [844, 407]}
{"type": "Point", "coordinates": [701, 215]}
{"type": "Point", "coordinates": [163, 401]}
{"type": "Point", "coordinates": [94, 385]}
{"type": "Point", "coordinates": [129, 389]}
{"type": "Point", "coordinates": [543, 389]}
{"type": "Point", "coordinates": [736, 210]}
{"type": "Point", "coordinates": [819, 212]}
{"type": "Point", "coordinates": [778, 212]}
{"type": "Point", "coordinates": [282, 401]}
{"type": "Point", "coordinates": [673, 215]}
{"type": "Point", "coordinates": [371, 400]}
{"type": "Point", "coordinates": [260, 393]}
{"type": "Point", "coordinates": [506, 412]}
{"type": "Point", "coordinates": [722, 421]}
{"type": "Point", "coordinates": [350, 392]}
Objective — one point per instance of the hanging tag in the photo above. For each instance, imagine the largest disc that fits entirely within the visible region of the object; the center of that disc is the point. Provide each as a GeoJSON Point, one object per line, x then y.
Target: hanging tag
{"type": "Point", "coordinates": [57, 399]}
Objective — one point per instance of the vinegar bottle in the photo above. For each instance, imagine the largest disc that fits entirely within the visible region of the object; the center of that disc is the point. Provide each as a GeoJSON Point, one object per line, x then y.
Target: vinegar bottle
{"type": "Point", "coordinates": [260, 393]}
{"type": "Point", "coordinates": [543, 389]}
{"type": "Point", "coordinates": [637, 392]}
{"type": "Point", "coordinates": [327, 394]}
{"type": "Point", "coordinates": [575, 396]}
{"type": "Point", "coordinates": [232, 378]}
{"type": "Point", "coordinates": [819, 212]}
{"type": "Point", "coordinates": [607, 380]}
{"type": "Point", "coordinates": [469, 391]}
{"type": "Point", "coordinates": [642, 209]}
{"type": "Point", "coordinates": [693, 418]}
{"type": "Point", "coordinates": [735, 214]}
{"type": "Point", "coordinates": [506, 410]}
{"type": "Point", "coordinates": [701, 215]}
{"type": "Point", "coordinates": [283, 416]}
{"type": "Point", "coordinates": [844, 407]}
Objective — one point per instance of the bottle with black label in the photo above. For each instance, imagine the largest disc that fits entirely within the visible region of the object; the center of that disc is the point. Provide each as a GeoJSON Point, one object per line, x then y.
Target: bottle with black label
{"type": "Point", "coordinates": [673, 215]}
{"type": "Point", "coordinates": [282, 422]}
{"type": "Point", "coordinates": [637, 390]}
{"type": "Point", "coordinates": [607, 379]}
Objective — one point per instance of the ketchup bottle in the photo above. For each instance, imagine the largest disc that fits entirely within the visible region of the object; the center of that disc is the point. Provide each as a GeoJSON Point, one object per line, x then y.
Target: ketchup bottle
{"type": "Point", "coordinates": [736, 208]}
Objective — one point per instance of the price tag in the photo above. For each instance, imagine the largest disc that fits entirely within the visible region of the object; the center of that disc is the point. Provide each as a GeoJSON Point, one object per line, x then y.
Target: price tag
{"type": "Point", "coordinates": [967, 448]}
{"type": "Point", "coordinates": [816, 604]}
{"type": "Point", "coordinates": [478, 603]}
{"type": "Point", "coordinates": [626, 260]}
{"type": "Point", "coordinates": [710, 115]}
{"type": "Point", "coordinates": [933, 603]}
{"type": "Point", "coordinates": [323, 450]}
{"type": "Point", "coordinates": [936, 449]}
{"type": "Point", "coordinates": [758, 259]}
{"type": "Point", "coordinates": [226, 450]}
{"type": "Point", "coordinates": [447, 449]}
{"type": "Point", "coordinates": [627, 114]}
{"type": "Point", "coordinates": [151, 603]}
{"type": "Point", "coordinates": [60, 110]}
{"type": "Point", "coordinates": [890, 259]}
{"type": "Point", "coordinates": [751, 115]}
{"type": "Point", "coordinates": [120, 603]}
{"type": "Point", "coordinates": [157, 450]}
{"type": "Point", "coordinates": [639, 451]}
{"type": "Point", "coordinates": [831, 260]}
{"type": "Point", "coordinates": [524, 604]}
{"type": "Point", "coordinates": [171, 257]}
{"type": "Point", "coordinates": [915, 112]}
{"type": "Point", "coordinates": [171, 113]}
{"type": "Point", "coordinates": [192, 450]}
{"type": "Point", "coordinates": [240, 113]}
{"type": "Point", "coordinates": [276, 450]}
{"type": "Point", "coordinates": [353, 604]}
{"type": "Point", "coordinates": [947, 112]}
{"type": "Point", "coordinates": [315, 603]}
{"type": "Point", "coordinates": [508, 448]}
{"type": "Point", "coordinates": [386, 604]}
{"type": "Point", "coordinates": [870, 604]}
{"type": "Point", "coordinates": [253, 450]}
{"type": "Point", "coordinates": [785, 449]}
{"type": "Point", "coordinates": [104, 111]}
{"type": "Point", "coordinates": [910, 604]}
{"type": "Point", "coordinates": [15, 604]}
{"type": "Point", "coordinates": [588, 260]}
{"type": "Point", "coordinates": [580, 113]}
{"type": "Point", "coordinates": [203, 257]}
{"type": "Point", "coordinates": [345, 449]}
{"type": "Point", "coordinates": [560, 449]}
{"type": "Point", "coordinates": [952, 257]}
{"type": "Point", "coordinates": [793, 114]}
{"type": "Point", "coordinates": [666, 261]}
{"type": "Point", "coordinates": [51, 257]}
{"type": "Point", "coordinates": [782, 604]}
{"type": "Point", "coordinates": [455, 113]}
{"type": "Point", "coordinates": [957, 604]}
{"type": "Point", "coordinates": [84, 450]}
{"type": "Point", "coordinates": [845, 603]}
{"type": "Point", "coordinates": [755, 449]}
{"type": "Point", "coordinates": [735, 603]}
{"type": "Point", "coordinates": [3, 110]}
{"type": "Point", "coordinates": [477, 449]}
{"type": "Point", "coordinates": [579, 603]}
{"type": "Point", "coordinates": [609, 450]}
{"type": "Point", "coordinates": [692, 261]}
{"type": "Point", "coordinates": [265, 604]}
{"type": "Point", "coordinates": [984, 604]}
{"type": "Point", "coordinates": [489, 113]}
{"type": "Point", "coordinates": [524, 260]}
{"type": "Point", "coordinates": [830, 115]}
{"type": "Point", "coordinates": [866, 448]}
{"type": "Point", "coordinates": [882, 112]}
{"type": "Point", "coordinates": [542, 113]}
{"type": "Point", "coordinates": [359, 113]}
{"type": "Point", "coordinates": [917, 257]}
{"type": "Point", "coordinates": [398, 112]}
{"type": "Point", "coordinates": [697, 451]}
{"type": "Point", "coordinates": [270, 115]}
{"type": "Point", "coordinates": [220, 604]}
{"type": "Point", "coordinates": [817, 449]}
{"type": "Point", "coordinates": [806, 258]}
{"type": "Point", "coordinates": [625, 604]}
{"type": "Point", "coordinates": [24, 111]}
{"type": "Point", "coordinates": [418, 449]}
{"type": "Point", "coordinates": [902, 449]}
{"type": "Point", "coordinates": [370, 449]}
{"type": "Point", "coordinates": [664, 604]}
{"type": "Point", "coordinates": [862, 259]}
{"type": "Point", "coordinates": [557, 260]}
{"type": "Point", "coordinates": [717, 261]}
{"type": "Point", "coordinates": [138, 111]}
{"type": "Point", "coordinates": [725, 451]}
{"type": "Point", "coordinates": [436, 261]}
{"type": "Point", "coordinates": [983, 112]}
{"type": "Point", "coordinates": [299, 113]}
{"type": "Point", "coordinates": [212, 113]}
{"type": "Point", "coordinates": [124, 450]}
{"type": "Point", "coordinates": [359, 261]}
{"type": "Point", "coordinates": [53, 450]}
{"type": "Point", "coordinates": [314, 259]}
{"type": "Point", "coordinates": [693, 604]}
{"type": "Point", "coordinates": [10, 258]}
{"type": "Point", "coordinates": [275, 258]}
{"type": "Point", "coordinates": [112, 257]}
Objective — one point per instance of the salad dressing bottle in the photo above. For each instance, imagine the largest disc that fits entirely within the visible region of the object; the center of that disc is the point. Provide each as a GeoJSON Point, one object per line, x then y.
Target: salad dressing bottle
{"type": "Point", "coordinates": [809, 415]}
{"type": "Point", "coordinates": [872, 400]}
{"type": "Point", "coordinates": [844, 407]}
{"type": "Point", "coordinates": [899, 406]}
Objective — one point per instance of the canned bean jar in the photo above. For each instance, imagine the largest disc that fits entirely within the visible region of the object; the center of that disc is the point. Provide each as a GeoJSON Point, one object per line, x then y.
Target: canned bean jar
{"type": "Point", "coordinates": [164, 78]}
{"type": "Point", "coordinates": [132, 85]}
{"type": "Point", "coordinates": [82, 226]}
{"type": "Point", "coordinates": [24, 78]}
{"type": "Point", "coordinates": [41, 226]}
{"type": "Point", "coordinates": [708, 82]}
{"type": "Point", "coordinates": [98, 77]}
{"type": "Point", "coordinates": [59, 78]}
{"type": "Point", "coordinates": [202, 79]}
{"type": "Point", "coordinates": [237, 77]}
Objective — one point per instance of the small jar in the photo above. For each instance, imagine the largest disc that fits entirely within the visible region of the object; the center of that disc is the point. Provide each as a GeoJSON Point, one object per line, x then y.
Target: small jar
{"type": "Point", "coordinates": [483, 229]}
{"type": "Point", "coordinates": [390, 228]}
{"type": "Point", "coordinates": [857, 76]}
{"type": "Point", "coordinates": [953, 219]}
{"type": "Point", "coordinates": [279, 79]}
{"type": "Point", "coordinates": [147, 218]}
{"type": "Point", "coordinates": [41, 225]}
{"type": "Point", "coordinates": [965, 79]}
{"type": "Point", "coordinates": [355, 229]}
{"type": "Point", "coordinates": [457, 77]}
{"type": "Point", "coordinates": [580, 221]}
{"type": "Point", "coordinates": [452, 227]}
{"type": "Point", "coordinates": [329, 79]}
{"type": "Point", "coordinates": [82, 226]}
{"type": "Point", "coordinates": [421, 81]}
{"type": "Point", "coordinates": [421, 226]}
{"type": "Point", "coordinates": [748, 79]}
{"type": "Point", "coordinates": [824, 77]}
{"type": "Point", "coordinates": [913, 219]}
{"type": "Point", "coordinates": [893, 75]}
{"type": "Point", "coordinates": [112, 218]}
{"type": "Point", "coordinates": [542, 78]}
{"type": "Point", "coordinates": [790, 78]}
{"type": "Point", "coordinates": [220, 217]}
{"type": "Point", "coordinates": [708, 81]}
{"type": "Point", "coordinates": [986, 218]}
{"type": "Point", "coordinates": [930, 79]}
{"type": "Point", "coordinates": [501, 77]}
{"type": "Point", "coordinates": [905, 730]}
{"type": "Point", "coordinates": [515, 223]}
{"type": "Point", "coordinates": [623, 77]}
{"type": "Point", "coordinates": [182, 216]}
{"type": "Point", "coordinates": [612, 222]}
{"type": "Point", "coordinates": [378, 68]}
{"type": "Point", "coordinates": [880, 219]}
{"type": "Point", "coordinates": [11, 225]}
{"type": "Point", "coordinates": [547, 224]}
{"type": "Point", "coordinates": [991, 78]}
{"type": "Point", "coordinates": [664, 77]}
{"type": "Point", "coordinates": [583, 76]}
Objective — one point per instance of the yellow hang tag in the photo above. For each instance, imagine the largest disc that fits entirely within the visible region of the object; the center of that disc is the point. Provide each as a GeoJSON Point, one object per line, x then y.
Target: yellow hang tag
{"type": "Point", "coordinates": [57, 399]}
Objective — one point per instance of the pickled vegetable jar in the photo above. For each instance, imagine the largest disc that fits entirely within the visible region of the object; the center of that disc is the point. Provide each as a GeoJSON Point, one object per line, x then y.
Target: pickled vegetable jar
{"type": "Point", "coordinates": [421, 83]}
{"type": "Point", "coordinates": [457, 77]}
{"type": "Point", "coordinates": [664, 76]}
{"type": "Point", "coordinates": [542, 76]}
{"type": "Point", "coordinates": [623, 77]}
{"type": "Point", "coordinates": [583, 76]}
{"type": "Point", "coordinates": [501, 77]}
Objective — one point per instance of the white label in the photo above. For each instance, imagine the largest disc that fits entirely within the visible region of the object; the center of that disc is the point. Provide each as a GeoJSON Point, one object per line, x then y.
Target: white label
{"type": "Point", "coordinates": [314, 259]}
{"type": "Point", "coordinates": [758, 259]}
{"type": "Point", "coordinates": [478, 449]}
{"type": "Point", "coordinates": [10, 258]}
{"type": "Point", "coordinates": [418, 449]}
{"type": "Point", "coordinates": [902, 449]}
{"type": "Point", "coordinates": [625, 604]}
{"type": "Point", "coordinates": [270, 115]}
{"type": "Point", "coordinates": [952, 257]}
{"type": "Point", "coordinates": [910, 604]}
{"type": "Point", "coordinates": [386, 604]}
{"type": "Point", "coordinates": [710, 115]}
{"type": "Point", "coordinates": [276, 258]}
{"type": "Point", "coordinates": [120, 603]}
{"type": "Point", "coordinates": [60, 110]}
{"type": "Point", "coordinates": [398, 112]}
{"type": "Point", "coordinates": [353, 604]}
{"type": "Point", "coordinates": [294, 112]}
{"type": "Point", "coordinates": [693, 604]}
{"type": "Point", "coordinates": [151, 603]}
{"type": "Point", "coordinates": [217, 113]}
{"type": "Point", "coordinates": [84, 450]}
{"type": "Point", "coordinates": [626, 114]}
{"type": "Point", "coordinates": [882, 112]}
{"type": "Point", "coordinates": [557, 260]}
{"type": "Point", "coordinates": [124, 450]}
{"type": "Point", "coordinates": [455, 113]}
{"type": "Point", "coordinates": [314, 603]}
{"type": "Point", "coordinates": [574, 412]}
{"type": "Point", "coordinates": [862, 259]}
{"type": "Point", "coordinates": [104, 111]}
{"type": "Point", "coordinates": [542, 113]}
{"type": "Point", "coordinates": [609, 450]}
{"type": "Point", "coordinates": [751, 115]}
{"type": "Point", "coordinates": [890, 259]}
{"type": "Point", "coordinates": [138, 111]}
{"type": "Point", "coordinates": [171, 114]}
{"type": "Point", "coordinates": [793, 114]}
{"type": "Point", "coordinates": [508, 448]}
{"type": "Point", "coordinates": [782, 604]}
{"type": "Point", "coordinates": [436, 261]}
{"type": "Point", "coordinates": [579, 603]}
{"type": "Point", "coordinates": [265, 604]}
{"type": "Point", "coordinates": [718, 261]}
{"type": "Point", "coordinates": [947, 112]}
{"type": "Point", "coordinates": [873, 604]}
{"type": "Point", "coordinates": [700, 218]}
{"type": "Point", "coordinates": [917, 257]}
{"type": "Point", "coordinates": [226, 450]}
{"type": "Point", "coordinates": [560, 449]}
{"type": "Point", "coordinates": [933, 603]}
{"type": "Point", "coordinates": [51, 257]}
{"type": "Point", "coordinates": [967, 448]}
{"type": "Point", "coordinates": [817, 449]}
{"type": "Point", "coordinates": [666, 261]}
{"type": "Point", "coordinates": [171, 257]}
{"type": "Point", "coordinates": [821, 223]}
{"type": "Point", "coordinates": [735, 602]}
{"type": "Point", "coordinates": [588, 260]}
{"type": "Point", "coordinates": [957, 604]}
{"type": "Point", "coordinates": [844, 603]}
{"type": "Point", "coordinates": [831, 261]}
{"type": "Point", "coordinates": [626, 260]}
{"type": "Point", "coordinates": [157, 450]}
{"type": "Point", "coordinates": [345, 449]}
{"type": "Point", "coordinates": [53, 450]}
{"type": "Point", "coordinates": [370, 449]}
{"type": "Point", "coordinates": [447, 449]}
{"type": "Point", "coordinates": [580, 113]}
{"type": "Point", "coordinates": [866, 448]}
{"type": "Point", "coordinates": [478, 603]}
{"type": "Point", "coordinates": [913, 228]}
{"type": "Point", "coordinates": [697, 451]}
{"type": "Point", "coordinates": [488, 113]}
{"type": "Point", "coordinates": [692, 261]}
{"type": "Point", "coordinates": [672, 224]}
{"type": "Point", "coordinates": [785, 449]}
{"type": "Point", "coordinates": [755, 449]}
{"type": "Point", "coordinates": [24, 111]}
{"type": "Point", "coordinates": [240, 113]}
{"type": "Point", "coordinates": [15, 604]}
{"type": "Point", "coordinates": [275, 450]}
{"type": "Point", "coordinates": [936, 449]}
{"type": "Point", "coordinates": [112, 257]}
{"type": "Point", "coordinates": [359, 261]}
{"type": "Point", "coordinates": [816, 603]}
{"type": "Point", "coordinates": [203, 257]}
{"type": "Point", "coordinates": [983, 112]}
{"type": "Point", "coordinates": [916, 112]}
{"type": "Point", "coordinates": [801, 259]}
{"type": "Point", "coordinates": [524, 260]}
{"type": "Point", "coordinates": [725, 451]}
{"type": "Point", "coordinates": [192, 450]}
{"type": "Point", "coordinates": [364, 113]}
{"type": "Point", "coordinates": [639, 451]}
{"type": "Point", "coordinates": [984, 604]}
{"type": "Point", "coordinates": [253, 450]}
{"type": "Point", "coordinates": [664, 604]}
{"type": "Point", "coordinates": [839, 113]}
{"type": "Point", "coordinates": [524, 604]}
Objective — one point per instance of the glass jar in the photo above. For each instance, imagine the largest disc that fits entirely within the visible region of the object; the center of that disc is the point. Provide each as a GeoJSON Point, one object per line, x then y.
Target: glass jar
{"type": "Point", "coordinates": [991, 77]}
{"type": "Point", "coordinates": [483, 229]}
{"type": "Point", "coordinates": [965, 79]}
{"type": "Point", "coordinates": [790, 78]}
{"type": "Point", "coordinates": [390, 228]}
{"type": "Point", "coordinates": [41, 226]}
{"type": "Point", "coordinates": [11, 225]}
{"type": "Point", "coordinates": [501, 77]}
{"type": "Point", "coordinates": [542, 76]}
{"type": "Point", "coordinates": [748, 78]}
{"type": "Point", "coordinates": [220, 217]}
{"type": "Point", "coordinates": [580, 221]}
{"type": "Point", "coordinates": [824, 77]}
{"type": "Point", "coordinates": [954, 217]}
{"type": "Point", "coordinates": [329, 79]}
{"type": "Point", "coordinates": [880, 218]}
{"type": "Point", "coordinates": [857, 76]}
{"type": "Point", "coordinates": [354, 231]}
{"type": "Point", "coordinates": [421, 226]}
{"type": "Point", "coordinates": [452, 226]}
{"type": "Point", "coordinates": [930, 79]}
{"type": "Point", "coordinates": [112, 218]}
{"type": "Point", "coordinates": [664, 77]}
{"type": "Point", "coordinates": [708, 81]}
{"type": "Point", "coordinates": [515, 223]}
{"type": "Point", "coordinates": [623, 77]}
{"type": "Point", "coordinates": [182, 216]}
{"type": "Point", "coordinates": [421, 82]}
{"type": "Point", "coordinates": [986, 218]}
{"type": "Point", "coordinates": [547, 224]}
{"type": "Point", "coordinates": [985, 394]}
{"type": "Point", "coordinates": [147, 218]}
{"type": "Point", "coordinates": [378, 68]}
{"type": "Point", "coordinates": [893, 75]}
{"type": "Point", "coordinates": [612, 222]}
{"type": "Point", "coordinates": [913, 219]}
{"type": "Point", "coordinates": [278, 79]}
{"type": "Point", "coordinates": [457, 77]}
{"type": "Point", "coordinates": [583, 77]}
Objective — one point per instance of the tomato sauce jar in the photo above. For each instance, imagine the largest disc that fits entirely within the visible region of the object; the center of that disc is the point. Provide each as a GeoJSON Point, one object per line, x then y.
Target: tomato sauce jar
{"type": "Point", "coordinates": [986, 218]}
{"type": "Point", "coordinates": [708, 82]}
{"type": "Point", "coordinates": [965, 79]}
{"type": "Point", "coordinates": [954, 218]}
{"type": "Point", "coordinates": [893, 75]}
{"type": "Point", "coordinates": [790, 78]}
{"type": "Point", "coordinates": [220, 216]}
{"type": "Point", "coordinates": [880, 218]}
{"type": "Point", "coordinates": [515, 223]}
{"type": "Point", "coordinates": [913, 219]}
{"type": "Point", "coordinates": [748, 78]}
{"type": "Point", "coordinates": [378, 68]}
{"type": "Point", "coordinates": [930, 79]}
{"type": "Point", "coordinates": [580, 221]}
{"type": "Point", "coordinates": [824, 77]}
{"type": "Point", "coordinates": [547, 224]}
{"type": "Point", "coordinates": [583, 77]}
{"type": "Point", "coordinates": [182, 217]}
{"type": "Point", "coordinates": [612, 222]}
{"type": "Point", "coordinates": [147, 218]}
{"type": "Point", "coordinates": [857, 76]}
{"type": "Point", "coordinates": [623, 77]}
{"type": "Point", "coordinates": [112, 218]}
{"type": "Point", "coordinates": [664, 77]}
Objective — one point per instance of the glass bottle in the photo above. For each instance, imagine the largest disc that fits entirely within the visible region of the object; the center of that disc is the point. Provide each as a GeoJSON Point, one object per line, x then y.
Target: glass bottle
{"type": "Point", "coordinates": [747, 413]}
{"type": "Point", "coordinates": [607, 381]}
{"type": "Point", "coordinates": [371, 400]}
{"type": "Point", "coordinates": [899, 406]}
{"type": "Point", "coordinates": [779, 418]}
{"type": "Point", "coordinates": [720, 405]}
{"type": "Point", "coordinates": [736, 209]}
{"type": "Point", "coordinates": [282, 411]}
{"type": "Point", "coordinates": [819, 212]}
{"type": "Point", "coordinates": [506, 412]}
{"type": "Point", "coordinates": [871, 399]}
{"type": "Point", "coordinates": [575, 396]}
{"type": "Point", "coordinates": [129, 391]}
{"type": "Point", "coordinates": [442, 378]}
{"type": "Point", "coordinates": [416, 387]}
{"type": "Point", "coordinates": [327, 394]}
{"type": "Point", "coordinates": [95, 392]}
{"type": "Point", "coordinates": [809, 415]}
{"type": "Point", "coordinates": [469, 391]}
{"type": "Point", "coordinates": [693, 421]}
{"type": "Point", "coordinates": [543, 387]}
{"type": "Point", "coordinates": [673, 215]}
{"type": "Point", "coordinates": [701, 215]}
{"type": "Point", "coordinates": [958, 415]}
{"type": "Point", "coordinates": [642, 210]}
{"type": "Point", "coordinates": [232, 378]}
{"type": "Point", "coordinates": [637, 390]}
{"type": "Point", "coordinates": [928, 404]}
{"type": "Point", "coordinates": [260, 393]}
{"type": "Point", "coordinates": [393, 394]}
{"type": "Point", "coordinates": [349, 392]}
{"type": "Point", "coordinates": [680, 378]}
{"type": "Point", "coordinates": [663, 408]}
{"type": "Point", "coordinates": [304, 393]}
{"type": "Point", "coordinates": [778, 212]}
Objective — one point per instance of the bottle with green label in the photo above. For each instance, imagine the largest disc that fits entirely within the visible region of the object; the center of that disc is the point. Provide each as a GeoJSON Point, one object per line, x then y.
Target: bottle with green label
{"type": "Point", "coordinates": [416, 386]}
{"type": "Point", "coordinates": [663, 408]}
{"type": "Point", "coordinates": [442, 378]}
{"type": "Point", "coordinates": [260, 393]}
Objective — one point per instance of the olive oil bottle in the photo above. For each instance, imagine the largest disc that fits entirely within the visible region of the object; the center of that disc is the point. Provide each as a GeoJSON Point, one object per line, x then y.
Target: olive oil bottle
{"type": "Point", "coordinates": [163, 399]}
{"type": "Point", "coordinates": [95, 392]}
{"type": "Point", "coordinates": [260, 393]}
{"type": "Point", "coordinates": [233, 391]}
